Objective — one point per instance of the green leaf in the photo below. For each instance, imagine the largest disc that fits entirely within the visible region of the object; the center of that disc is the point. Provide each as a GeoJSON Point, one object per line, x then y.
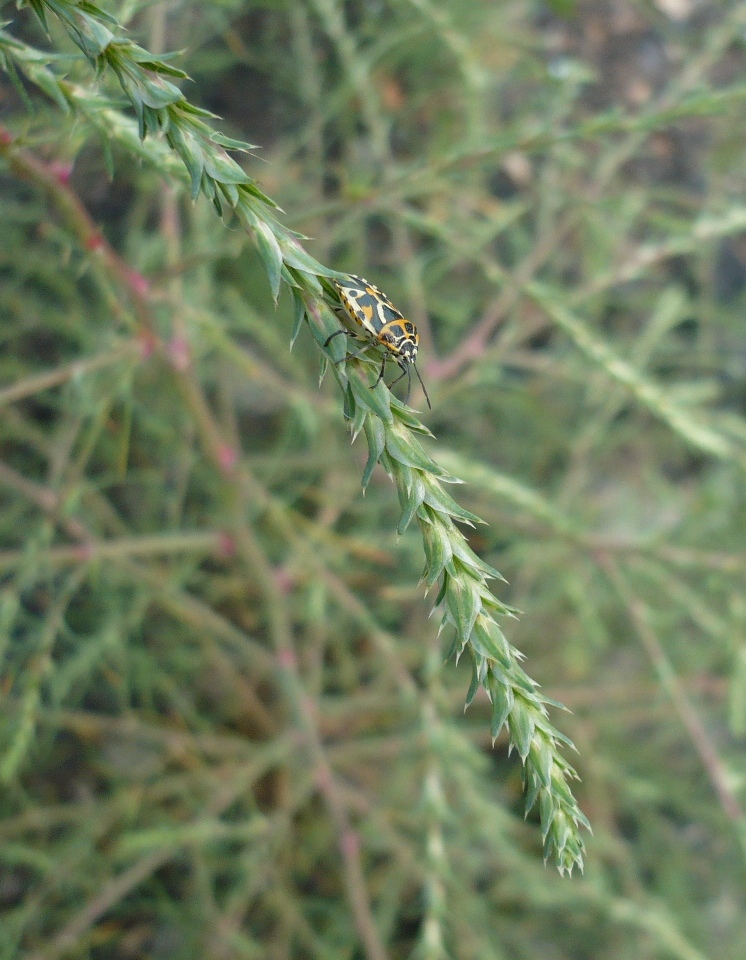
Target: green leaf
{"type": "Point", "coordinates": [230, 192]}
{"type": "Point", "coordinates": [443, 502]}
{"type": "Point", "coordinates": [490, 641]}
{"type": "Point", "coordinates": [350, 406]}
{"type": "Point", "coordinates": [299, 312]}
{"type": "Point", "coordinates": [97, 12]}
{"type": "Point", "coordinates": [579, 817]}
{"type": "Point", "coordinates": [151, 119]}
{"type": "Point", "coordinates": [407, 450]}
{"type": "Point", "coordinates": [158, 93]}
{"type": "Point", "coordinates": [194, 116]}
{"type": "Point", "coordinates": [559, 706]}
{"type": "Point", "coordinates": [497, 607]}
{"type": "Point", "coordinates": [298, 258]}
{"type": "Point", "coordinates": [87, 31]}
{"type": "Point", "coordinates": [375, 434]}
{"type": "Point", "coordinates": [438, 551]}
{"type": "Point", "coordinates": [223, 168]}
{"type": "Point", "coordinates": [358, 421]}
{"type": "Point", "coordinates": [253, 194]}
{"type": "Point", "coordinates": [158, 66]}
{"type": "Point", "coordinates": [410, 501]}
{"type": "Point", "coordinates": [405, 416]}
{"type": "Point", "coordinates": [521, 723]}
{"type": "Point", "coordinates": [560, 830]}
{"type": "Point", "coordinates": [463, 603]}
{"type": "Point", "coordinates": [376, 399]}
{"type": "Point", "coordinates": [532, 789]}
{"type": "Point", "coordinates": [548, 807]}
{"type": "Point", "coordinates": [540, 758]}
{"type": "Point", "coordinates": [501, 695]}
{"type": "Point", "coordinates": [443, 591]}
{"type": "Point", "coordinates": [470, 559]}
{"type": "Point", "coordinates": [231, 144]}
{"type": "Point", "coordinates": [207, 186]}
{"type": "Point", "coordinates": [191, 154]}
{"type": "Point", "coordinates": [474, 684]}
{"type": "Point", "coordinates": [41, 12]}
{"type": "Point", "coordinates": [520, 678]}
{"type": "Point", "coordinates": [271, 255]}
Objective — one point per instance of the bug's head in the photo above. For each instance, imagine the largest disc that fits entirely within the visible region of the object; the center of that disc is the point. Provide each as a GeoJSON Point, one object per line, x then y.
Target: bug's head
{"type": "Point", "coordinates": [402, 340]}
{"type": "Point", "coordinates": [407, 350]}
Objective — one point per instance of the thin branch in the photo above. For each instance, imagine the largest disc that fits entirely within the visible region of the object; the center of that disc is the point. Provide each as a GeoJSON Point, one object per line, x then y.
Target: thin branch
{"type": "Point", "coordinates": [640, 616]}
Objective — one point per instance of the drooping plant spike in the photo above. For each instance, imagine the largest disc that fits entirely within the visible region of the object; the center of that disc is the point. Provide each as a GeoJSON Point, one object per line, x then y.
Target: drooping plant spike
{"type": "Point", "coordinates": [391, 429]}
{"type": "Point", "coordinates": [470, 608]}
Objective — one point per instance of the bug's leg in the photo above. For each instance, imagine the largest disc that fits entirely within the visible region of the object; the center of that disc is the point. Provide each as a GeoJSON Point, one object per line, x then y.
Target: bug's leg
{"type": "Point", "coordinates": [336, 334]}
{"type": "Point", "coordinates": [400, 377]}
{"type": "Point", "coordinates": [347, 333]}
{"type": "Point", "coordinates": [351, 356]}
{"type": "Point", "coordinates": [380, 374]}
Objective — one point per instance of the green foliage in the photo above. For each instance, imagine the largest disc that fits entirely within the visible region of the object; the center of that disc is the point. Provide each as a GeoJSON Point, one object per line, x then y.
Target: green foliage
{"type": "Point", "coordinates": [228, 728]}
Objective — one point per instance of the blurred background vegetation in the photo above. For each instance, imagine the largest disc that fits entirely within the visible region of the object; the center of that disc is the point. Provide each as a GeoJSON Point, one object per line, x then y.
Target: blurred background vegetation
{"type": "Point", "coordinates": [556, 194]}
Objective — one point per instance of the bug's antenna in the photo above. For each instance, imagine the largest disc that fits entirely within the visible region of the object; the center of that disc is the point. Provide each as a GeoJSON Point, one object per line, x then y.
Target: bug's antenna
{"type": "Point", "coordinates": [424, 388]}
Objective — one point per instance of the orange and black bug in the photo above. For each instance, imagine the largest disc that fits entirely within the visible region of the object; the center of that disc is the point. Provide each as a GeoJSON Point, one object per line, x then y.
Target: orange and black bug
{"type": "Point", "coordinates": [384, 327]}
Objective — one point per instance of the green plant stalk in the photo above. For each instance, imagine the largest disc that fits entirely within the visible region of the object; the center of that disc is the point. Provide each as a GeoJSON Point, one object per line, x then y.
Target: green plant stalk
{"type": "Point", "coordinates": [468, 604]}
